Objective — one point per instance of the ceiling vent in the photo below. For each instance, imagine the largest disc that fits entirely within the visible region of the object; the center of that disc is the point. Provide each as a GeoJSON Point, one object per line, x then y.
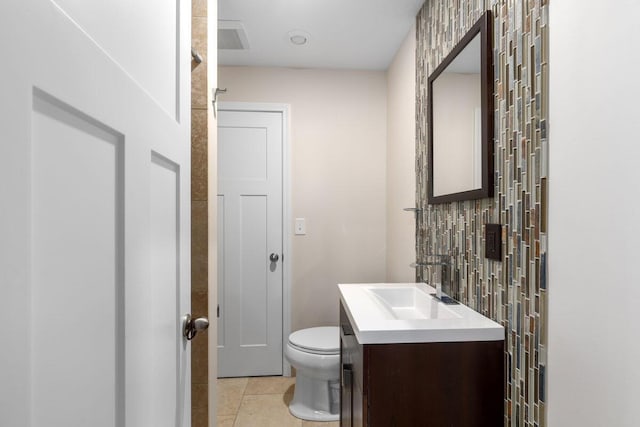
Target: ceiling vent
{"type": "Point", "coordinates": [232, 36]}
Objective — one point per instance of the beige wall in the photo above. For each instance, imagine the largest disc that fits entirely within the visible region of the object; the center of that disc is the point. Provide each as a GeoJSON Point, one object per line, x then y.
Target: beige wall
{"type": "Point", "coordinates": [401, 177]}
{"type": "Point", "coordinates": [338, 131]}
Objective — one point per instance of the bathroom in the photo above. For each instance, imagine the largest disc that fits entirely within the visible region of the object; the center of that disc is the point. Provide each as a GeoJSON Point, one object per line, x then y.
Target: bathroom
{"type": "Point", "coordinates": [372, 215]}
{"type": "Point", "coordinates": [566, 103]}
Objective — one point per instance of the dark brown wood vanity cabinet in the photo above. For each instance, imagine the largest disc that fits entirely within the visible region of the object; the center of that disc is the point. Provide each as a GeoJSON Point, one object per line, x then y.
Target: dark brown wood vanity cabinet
{"type": "Point", "coordinates": [457, 384]}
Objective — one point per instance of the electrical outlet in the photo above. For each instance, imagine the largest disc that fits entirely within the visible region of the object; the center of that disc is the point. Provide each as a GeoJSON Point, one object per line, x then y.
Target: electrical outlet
{"type": "Point", "coordinates": [300, 227]}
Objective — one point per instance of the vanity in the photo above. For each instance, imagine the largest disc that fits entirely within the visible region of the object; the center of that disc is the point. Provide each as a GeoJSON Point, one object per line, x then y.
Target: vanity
{"type": "Point", "coordinates": [408, 359]}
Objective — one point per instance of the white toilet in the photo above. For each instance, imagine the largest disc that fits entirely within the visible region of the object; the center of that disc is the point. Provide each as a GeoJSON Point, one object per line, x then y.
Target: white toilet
{"type": "Point", "coordinates": [315, 353]}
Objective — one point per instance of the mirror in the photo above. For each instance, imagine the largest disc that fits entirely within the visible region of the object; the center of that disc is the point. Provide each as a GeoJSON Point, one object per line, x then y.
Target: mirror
{"type": "Point", "coordinates": [460, 114]}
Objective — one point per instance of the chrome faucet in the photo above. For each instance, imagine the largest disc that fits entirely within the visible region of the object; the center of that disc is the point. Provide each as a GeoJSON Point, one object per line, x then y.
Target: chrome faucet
{"type": "Point", "coordinates": [439, 275]}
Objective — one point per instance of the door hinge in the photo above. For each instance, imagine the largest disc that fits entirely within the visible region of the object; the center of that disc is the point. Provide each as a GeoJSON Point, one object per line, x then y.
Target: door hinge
{"type": "Point", "coordinates": [218, 314]}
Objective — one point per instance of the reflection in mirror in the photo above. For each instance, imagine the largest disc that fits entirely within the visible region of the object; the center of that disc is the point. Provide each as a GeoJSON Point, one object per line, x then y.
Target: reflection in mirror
{"type": "Point", "coordinates": [457, 126]}
{"type": "Point", "coordinates": [461, 120]}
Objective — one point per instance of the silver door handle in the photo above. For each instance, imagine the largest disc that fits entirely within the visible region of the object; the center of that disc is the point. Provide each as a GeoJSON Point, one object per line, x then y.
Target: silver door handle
{"type": "Point", "coordinates": [274, 257]}
{"type": "Point", "coordinates": [192, 326]}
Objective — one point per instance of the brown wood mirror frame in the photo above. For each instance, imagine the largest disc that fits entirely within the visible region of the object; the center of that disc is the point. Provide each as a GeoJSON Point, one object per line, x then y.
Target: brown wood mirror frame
{"type": "Point", "coordinates": [482, 173]}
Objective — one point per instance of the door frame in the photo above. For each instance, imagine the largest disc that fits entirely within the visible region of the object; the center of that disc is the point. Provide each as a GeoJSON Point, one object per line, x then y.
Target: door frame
{"type": "Point", "coordinates": [287, 258]}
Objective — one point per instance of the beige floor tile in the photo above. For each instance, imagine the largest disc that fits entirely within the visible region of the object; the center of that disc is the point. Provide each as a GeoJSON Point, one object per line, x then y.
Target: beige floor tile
{"type": "Point", "coordinates": [320, 424]}
{"type": "Point", "coordinates": [287, 397]}
{"type": "Point", "coordinates": [230, 391]}
{"type": "Point", "coordinates": [226, 420]}
{"type": "Point", "coordinates": [269, 385]}
{"type": "Point", "coordinates": [265, 410]}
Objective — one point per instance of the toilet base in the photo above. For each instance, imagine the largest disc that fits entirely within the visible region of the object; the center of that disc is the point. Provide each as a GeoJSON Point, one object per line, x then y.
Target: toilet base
{"type": "Point", "coordinates": [316, 391]}
{"type": "Point", "coordinates": [307, 414]}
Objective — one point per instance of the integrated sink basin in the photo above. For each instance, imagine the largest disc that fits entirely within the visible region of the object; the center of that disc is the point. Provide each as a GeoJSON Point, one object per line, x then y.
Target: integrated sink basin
{"type": "Point", "coordinates": [385, 313]}
{"type": "Point", "coordinates": [411, 303]}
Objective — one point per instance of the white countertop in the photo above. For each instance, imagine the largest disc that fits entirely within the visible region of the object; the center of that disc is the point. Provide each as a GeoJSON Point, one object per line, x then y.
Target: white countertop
{"type": "Point", "coordinates": [374, 323]}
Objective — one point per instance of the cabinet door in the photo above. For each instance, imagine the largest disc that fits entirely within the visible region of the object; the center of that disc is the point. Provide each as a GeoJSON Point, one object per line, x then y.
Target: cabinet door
{"type": "Point", "coordinates": [352, 413]}
{"type": "Point", "coordinates": [346, 370]}
{"type": "Point", "coordinates": [357, 406]}
{"type": "Point", "coordinates": [346, 402]}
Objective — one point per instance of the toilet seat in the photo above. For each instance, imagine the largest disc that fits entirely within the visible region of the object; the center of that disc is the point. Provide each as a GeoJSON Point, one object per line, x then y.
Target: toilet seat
{"type": "Point", "coordinates": [320, 340]}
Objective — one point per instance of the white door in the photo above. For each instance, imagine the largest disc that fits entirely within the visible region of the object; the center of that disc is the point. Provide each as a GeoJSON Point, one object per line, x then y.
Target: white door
{"type": "Point", "coordinates": [94, 213]}
{"type": "Point", "coordinates": [250, 256]}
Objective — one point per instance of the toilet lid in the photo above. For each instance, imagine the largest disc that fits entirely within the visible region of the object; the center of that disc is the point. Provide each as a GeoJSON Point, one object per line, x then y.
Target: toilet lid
{"type": "Point", "coordinates": [321, 340]}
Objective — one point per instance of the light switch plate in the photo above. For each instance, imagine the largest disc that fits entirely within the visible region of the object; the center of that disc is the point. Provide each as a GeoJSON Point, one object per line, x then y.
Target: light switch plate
{"type": "Point", "coordinates": [493, 241]}
{"type": "Point", "coordinates": [300, 227]}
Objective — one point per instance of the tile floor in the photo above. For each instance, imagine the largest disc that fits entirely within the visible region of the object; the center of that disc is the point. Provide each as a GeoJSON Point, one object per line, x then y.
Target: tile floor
{"type": "Point", "coordinates": [259, 402]}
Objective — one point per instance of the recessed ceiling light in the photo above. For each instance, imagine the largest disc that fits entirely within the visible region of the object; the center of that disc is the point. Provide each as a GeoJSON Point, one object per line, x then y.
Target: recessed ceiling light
{"type": "Point", "coordinates": [299, 37]}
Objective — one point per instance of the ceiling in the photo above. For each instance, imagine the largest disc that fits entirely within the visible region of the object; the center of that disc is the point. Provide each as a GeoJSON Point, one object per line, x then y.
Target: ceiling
{"type": "Point", "coordinates": [344, 34]}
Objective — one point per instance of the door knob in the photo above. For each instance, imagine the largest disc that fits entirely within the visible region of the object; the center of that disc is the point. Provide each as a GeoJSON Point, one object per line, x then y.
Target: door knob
{"type": "Point", "coordinates": [274, 257]}
{"type": "Point", "coordinates": [193, 326]}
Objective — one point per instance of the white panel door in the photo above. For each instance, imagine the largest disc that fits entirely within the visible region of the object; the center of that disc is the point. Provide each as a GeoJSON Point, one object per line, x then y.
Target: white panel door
{"type": "Point", "coordinates": [250, 243]}
{"type": "Point", "coordinates": [94, 213]}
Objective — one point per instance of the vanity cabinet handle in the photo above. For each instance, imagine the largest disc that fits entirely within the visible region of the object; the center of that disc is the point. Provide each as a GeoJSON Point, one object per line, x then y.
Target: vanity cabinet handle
{"type": "Point", "coordinates": [346, 329]}
{"type": "Point", "coordinates": [347, 375]}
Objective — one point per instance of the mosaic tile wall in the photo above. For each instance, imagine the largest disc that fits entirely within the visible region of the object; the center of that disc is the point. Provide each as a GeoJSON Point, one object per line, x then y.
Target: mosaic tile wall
{"type": "Point", "coordinates": [512, 292]}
